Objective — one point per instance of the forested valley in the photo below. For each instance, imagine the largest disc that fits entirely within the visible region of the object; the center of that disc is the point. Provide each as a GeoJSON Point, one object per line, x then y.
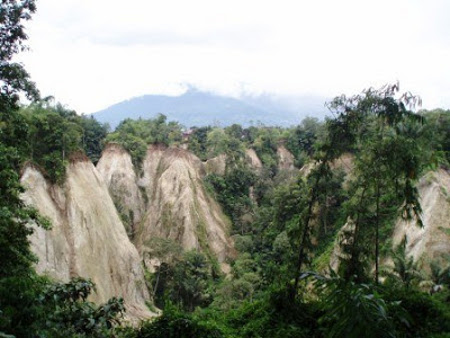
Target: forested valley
{"type": "Point", "coordinates": [314, 213]}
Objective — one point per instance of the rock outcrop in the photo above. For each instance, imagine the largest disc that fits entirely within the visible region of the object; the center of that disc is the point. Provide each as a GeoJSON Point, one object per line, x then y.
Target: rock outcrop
{"type": "Point", "coordinates": [432, 241]}
{"type": "Point", "coordinates": [285, 158]}
{"type": "Point", "coordinates": [253, 160]}
{"type": "Point", "coordinates": [88, 238]}
{"type": "Point", "coordinates": [177, 206]}
{"type": "Point", "coordinates": [116, 168]}
{"type": "Point", "coordinates": [216, 165]}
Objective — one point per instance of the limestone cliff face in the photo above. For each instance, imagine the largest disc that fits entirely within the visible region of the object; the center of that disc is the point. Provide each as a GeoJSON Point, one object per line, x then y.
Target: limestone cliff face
{"type": "Point", "coordinates": [432, 241]}
{"type": "Point", "coordinates": [87, 239]}
{"type": "Point", "coordinates": [116, 168]}
{"type": "Point", "coordinates": [176, 205]}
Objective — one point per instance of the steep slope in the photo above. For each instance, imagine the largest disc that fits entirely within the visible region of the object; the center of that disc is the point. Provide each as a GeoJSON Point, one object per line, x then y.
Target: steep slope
{"type": "Point", "coordinates": [116, 168]}
{"type": "Point", "coordinates": [285, 158]}
{"type": "Point", "coordinates": [216, 165]}
{"type": "Point", "coordinates": [87, 238]}
{"type": "Point", "coordinates": [253, 160]}
{"type": "Point", "coordinates": [177, 206]}
{"type": "Point", "coordinates": [432, 241]}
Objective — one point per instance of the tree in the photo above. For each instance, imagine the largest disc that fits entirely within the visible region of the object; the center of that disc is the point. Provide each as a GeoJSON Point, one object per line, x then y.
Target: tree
{"type": "Point", "coordinates": [17, 278]}
{"type": "Point", "coordinates": [13, 77]}
{"type": "Point", "coordinates": [14, 216]}
{"type": "Point", "coordinates": [351, 309]}
{"type": "Point", "coordinates": [68, 313]}
{"type": "Point", "coordinates": [93, 135]}
{"type": "Point", "coordinates": [405, 270]}
{"type": "Point", "coordinates": [53, 134]}
{"type": "Point", "coordinates": [184, 281]}
{"type": "Point", "coordinates": [381, 131]}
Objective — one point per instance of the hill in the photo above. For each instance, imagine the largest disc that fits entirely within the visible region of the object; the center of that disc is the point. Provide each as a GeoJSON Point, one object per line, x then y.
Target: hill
{"type": "Point", "coordinates": [199, 108]}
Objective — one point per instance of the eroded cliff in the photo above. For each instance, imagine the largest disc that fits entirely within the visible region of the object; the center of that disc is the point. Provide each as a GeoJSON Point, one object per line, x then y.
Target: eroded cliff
{"type": "Point", "coordinates": [88, 238]}
{"type": "Point", "coordinates": [285, 158]}
{"type": "Point", "coordinates": [432, 241]}
{"type": "Point", "coordinates": [116, 168]}
{"type": "Point", "coordinates": [176, 205]}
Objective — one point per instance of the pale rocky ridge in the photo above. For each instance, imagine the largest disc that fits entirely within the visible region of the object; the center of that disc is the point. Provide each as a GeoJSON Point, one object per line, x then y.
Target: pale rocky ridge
{"type": "Point", "coordinates": [253, 160]}
{"type": "Point", "coordinates": [176, 205]}
{"type": "Point", "coordinates": [216, 165]}
{"type": "Point", "coordinates": [116, 168]}
{"type": "Point", "coordinates": [87, 238]}
{"type": "Point", "coordinates": [285, 158]}
{"type": "Point", "coordinates": [432, 241]}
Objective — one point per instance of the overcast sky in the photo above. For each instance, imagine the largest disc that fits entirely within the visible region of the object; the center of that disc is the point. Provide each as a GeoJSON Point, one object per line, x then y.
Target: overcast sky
{"type": "Point", "coordinates": [90, 54]}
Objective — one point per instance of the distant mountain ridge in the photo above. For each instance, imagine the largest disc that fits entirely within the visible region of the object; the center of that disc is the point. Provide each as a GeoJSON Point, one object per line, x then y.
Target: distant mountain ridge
{"type": "Point", "coordinates": [199, 108]}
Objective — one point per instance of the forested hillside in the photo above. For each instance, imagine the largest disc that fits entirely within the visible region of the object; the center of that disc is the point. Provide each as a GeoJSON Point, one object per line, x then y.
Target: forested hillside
{"type": "Point", "coordinates": [335, 228]}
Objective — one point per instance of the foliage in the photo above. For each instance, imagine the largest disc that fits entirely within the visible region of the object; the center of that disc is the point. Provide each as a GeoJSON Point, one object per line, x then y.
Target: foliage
{"type": "Point", "coordinates": [14, 79]}
{"type": "Point", "coordinates": [232, 191]}
{"type": "Point", "coordinates": [440, 273]}
{"type": "Point", "coordinates": [53, 135]}
{"type": "Point", "coordinates": [383, 135]}
{"type": "Point", "coordinates": [300, 140]}
{"type": "Point", "coordinates": [274, 315]}
{"type": "Point", "coordinates": [185, 280]}
{"type": "Point", "coordinates": [351, 309]}
{"type": "Point", "coordinates": [405, 270]}
{"type": "Point", "coordinates": [427, 316]}
{"type": "Point", "coordinates": [437, 134]}
{"type": "Point", "coordinates": [19, 309]}
{"type": "Point", "coordinates": [93, 136]}
{"type": "Point", "coordinates": [136, 135]}
{"type": "Point", "coordinates": [197, 142]}
{"type": "Point", "coordinates": [68, 313]}
{"type": "Point", "coordinates": [265, 144]}
{"type": "Point", "coordinates": [177, 324]}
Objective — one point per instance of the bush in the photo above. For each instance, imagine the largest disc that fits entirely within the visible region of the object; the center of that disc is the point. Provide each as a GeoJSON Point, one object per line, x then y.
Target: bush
{"type": "Point", "coordinates": [175, 323]}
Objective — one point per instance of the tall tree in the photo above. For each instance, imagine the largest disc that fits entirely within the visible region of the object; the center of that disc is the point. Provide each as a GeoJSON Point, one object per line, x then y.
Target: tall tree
{"type": "Point", "coordinates": [13, 77]}
{"type": "Point", "coordinates": [16, 272]}
{"type": "Point", "coordinates": [382, 135]}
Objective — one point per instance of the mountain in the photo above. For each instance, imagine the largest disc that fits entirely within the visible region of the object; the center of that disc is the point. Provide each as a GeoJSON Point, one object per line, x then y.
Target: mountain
{"type": "Point", "coordinates": [199, 108]}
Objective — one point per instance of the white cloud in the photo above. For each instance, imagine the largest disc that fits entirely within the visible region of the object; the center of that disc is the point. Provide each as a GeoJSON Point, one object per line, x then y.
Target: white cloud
{"type": "Point", "coordinates": [91, 54]}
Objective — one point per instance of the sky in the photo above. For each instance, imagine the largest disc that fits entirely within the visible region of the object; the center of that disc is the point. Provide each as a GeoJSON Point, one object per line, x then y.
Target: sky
{"type": "Point", "coordinates": [90, 54]}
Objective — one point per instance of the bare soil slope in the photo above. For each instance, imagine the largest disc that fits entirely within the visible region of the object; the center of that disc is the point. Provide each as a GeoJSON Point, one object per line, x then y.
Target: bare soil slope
{"type": "Point", "coordinates": [87, 239]}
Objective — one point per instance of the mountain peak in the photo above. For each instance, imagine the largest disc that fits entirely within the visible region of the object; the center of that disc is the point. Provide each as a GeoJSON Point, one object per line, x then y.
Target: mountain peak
{"type": "Point", "coordinates": [199, 108]}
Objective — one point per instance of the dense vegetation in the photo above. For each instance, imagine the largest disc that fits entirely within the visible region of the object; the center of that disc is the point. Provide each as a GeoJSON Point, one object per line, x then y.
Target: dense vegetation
{"type": "Point", "coordinates": [284, 224]}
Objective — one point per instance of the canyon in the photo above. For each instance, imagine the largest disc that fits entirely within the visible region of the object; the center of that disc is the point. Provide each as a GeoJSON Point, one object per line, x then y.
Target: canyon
{"type": "Point", "coordinates": [106, 217]}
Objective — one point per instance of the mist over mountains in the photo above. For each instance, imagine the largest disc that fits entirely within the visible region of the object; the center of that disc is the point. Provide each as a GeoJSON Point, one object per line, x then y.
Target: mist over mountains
{"type": "Point", "coordinates": [200, 108]}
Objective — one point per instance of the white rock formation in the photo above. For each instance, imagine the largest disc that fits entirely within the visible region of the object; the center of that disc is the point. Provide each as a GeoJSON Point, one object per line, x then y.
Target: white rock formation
{"type": "Point", "coordinates": [116, 168]}
{"type": "Point", "coordinates": [432, 241]}
{"type": "Point", "coordinates": [216, 165]}
{"type": "Point", "coordinates": [178, 207]}
{"type": "Point", "coordinates": [253, 159]}
{"type": "Point", "coordinates": [87, 239]}
{"type": "Point", "coordinates": [285, 158]}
